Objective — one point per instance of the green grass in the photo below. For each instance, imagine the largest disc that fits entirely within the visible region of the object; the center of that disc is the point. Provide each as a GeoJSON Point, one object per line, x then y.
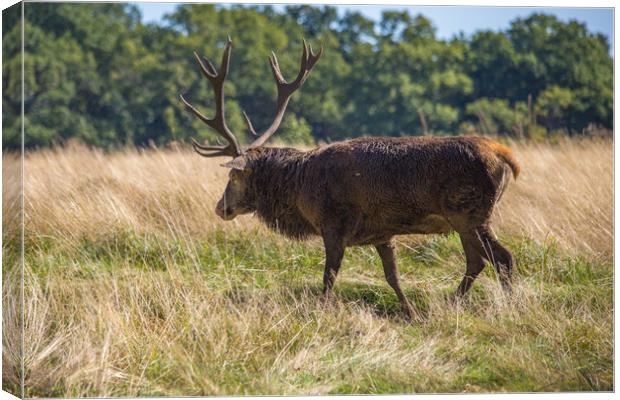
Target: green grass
{"type": "Point", "coordinates": [241, 313]}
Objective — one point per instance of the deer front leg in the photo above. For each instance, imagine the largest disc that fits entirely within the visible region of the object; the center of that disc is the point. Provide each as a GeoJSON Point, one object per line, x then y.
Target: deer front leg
{"type": "Point", "coordinates": [334, 251]}
{"type": "Point", "coordinates": [386, 252]}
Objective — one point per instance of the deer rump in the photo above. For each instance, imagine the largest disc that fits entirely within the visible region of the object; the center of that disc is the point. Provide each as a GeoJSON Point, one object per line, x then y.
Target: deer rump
{"type": "Point", "coordinates": [371, 189]}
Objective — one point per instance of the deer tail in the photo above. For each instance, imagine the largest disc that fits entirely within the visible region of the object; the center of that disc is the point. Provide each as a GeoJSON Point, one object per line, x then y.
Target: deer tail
{"type": "Point", "coordinates": [506, 155]}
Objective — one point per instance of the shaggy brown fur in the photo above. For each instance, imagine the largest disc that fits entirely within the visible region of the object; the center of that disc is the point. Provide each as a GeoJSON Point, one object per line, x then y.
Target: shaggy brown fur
{"type": "Point", "coordinates": [365, 191]}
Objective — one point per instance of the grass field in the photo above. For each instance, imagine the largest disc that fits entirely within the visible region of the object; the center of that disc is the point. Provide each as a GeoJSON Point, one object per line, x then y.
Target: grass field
{"type": "Point", "coordinates": [134, 287]}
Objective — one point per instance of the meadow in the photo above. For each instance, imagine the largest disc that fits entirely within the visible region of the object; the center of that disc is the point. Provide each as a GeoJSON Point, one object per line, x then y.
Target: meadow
{"type": "Point", "coordinates": [135, 287]}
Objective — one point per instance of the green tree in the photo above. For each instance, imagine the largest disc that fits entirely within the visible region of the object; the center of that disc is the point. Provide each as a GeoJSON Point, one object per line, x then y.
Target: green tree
{"type": "Point", "coordinates": [496, 116]}
{"type": "Point", "coordinates": [96, 73]}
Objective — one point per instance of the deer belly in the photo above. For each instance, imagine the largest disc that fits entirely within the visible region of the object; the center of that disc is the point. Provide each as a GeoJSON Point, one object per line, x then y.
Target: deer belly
{"type": "Point", "coordinates": [431, 223]}
{"type": "Point", "coordinates": [364, 233]}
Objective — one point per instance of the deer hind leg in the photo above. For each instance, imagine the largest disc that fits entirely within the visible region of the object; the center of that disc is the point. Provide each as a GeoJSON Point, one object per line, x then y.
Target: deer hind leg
{"type": "Point", "coordinates": [501, 259]}
{"type": "Point", "coordinates": [475, 261]}
{"type": "Point", "coordinates": [469, 211]}
{"type": "Point", "coordinates": [480, 244]}
{"type": "Point", "coordinates": [386, 252]}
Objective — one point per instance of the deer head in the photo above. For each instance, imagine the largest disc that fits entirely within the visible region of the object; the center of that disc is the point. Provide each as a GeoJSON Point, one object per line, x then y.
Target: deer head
{"type": "Point", "coordinates": [235, 200]}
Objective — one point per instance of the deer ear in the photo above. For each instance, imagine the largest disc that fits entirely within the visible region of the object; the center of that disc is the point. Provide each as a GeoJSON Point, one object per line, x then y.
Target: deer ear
{"type": "Point", "coordinates": [237, 163]}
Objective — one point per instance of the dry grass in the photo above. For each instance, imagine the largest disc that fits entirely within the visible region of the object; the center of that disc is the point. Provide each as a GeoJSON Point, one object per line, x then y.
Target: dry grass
{"type": "Point", "coordinates": [134, 287]}
{"type": "Point", "coordinates": [564, 193]}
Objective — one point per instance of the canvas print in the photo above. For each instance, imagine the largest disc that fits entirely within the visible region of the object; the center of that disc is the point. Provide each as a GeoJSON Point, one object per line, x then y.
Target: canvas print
{"type": "Point", "coordinates": [254, 199]}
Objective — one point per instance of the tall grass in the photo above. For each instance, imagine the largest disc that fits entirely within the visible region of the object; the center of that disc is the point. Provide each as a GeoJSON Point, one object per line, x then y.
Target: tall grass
{"type": "Point", "coordinates": [135, 287]}
{"type": "Point", "coordinates": [564, 193]}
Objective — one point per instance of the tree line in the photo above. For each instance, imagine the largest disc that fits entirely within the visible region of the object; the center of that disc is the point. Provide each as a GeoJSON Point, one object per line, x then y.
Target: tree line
{"type": "Point", "coordinates": [98, 74]}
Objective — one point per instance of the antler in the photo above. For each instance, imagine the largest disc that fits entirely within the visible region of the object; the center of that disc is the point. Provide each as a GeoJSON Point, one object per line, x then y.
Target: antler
{"type": "Point", "coordinates": [218, 123]}
{"type": "Point", "coordinates": [285, 90]}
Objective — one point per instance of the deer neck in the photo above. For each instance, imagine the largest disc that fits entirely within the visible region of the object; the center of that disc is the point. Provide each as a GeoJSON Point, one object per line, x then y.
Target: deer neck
{"type": "Point", "coordinates": [277, 180]}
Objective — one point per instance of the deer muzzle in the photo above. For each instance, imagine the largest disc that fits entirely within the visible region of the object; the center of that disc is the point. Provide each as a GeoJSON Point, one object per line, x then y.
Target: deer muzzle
{"type": "Point", "coordinates": [226, 213]}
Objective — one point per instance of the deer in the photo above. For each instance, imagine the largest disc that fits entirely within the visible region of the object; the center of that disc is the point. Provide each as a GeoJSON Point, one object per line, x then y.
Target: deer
{"type": "Point", "coordinates": [363, 191]}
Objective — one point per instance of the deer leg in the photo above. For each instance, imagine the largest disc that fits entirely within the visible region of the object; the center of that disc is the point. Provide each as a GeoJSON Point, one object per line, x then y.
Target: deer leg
{"type": "Point", "coordinates": [334, 251]}
{"type": "Point", "coordinates": [475, 262]}
{"type": "Point", "coordinates": [501, 259]}
{"type": "Point", "coordinates": [386, 252]}
{"type": "Point", "coordinates": [480, 244]}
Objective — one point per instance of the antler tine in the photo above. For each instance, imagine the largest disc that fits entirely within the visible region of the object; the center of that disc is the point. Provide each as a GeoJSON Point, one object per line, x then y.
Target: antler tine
{"type": "Point", "coordinates": [218, 122]}
{"type": "Point", "coordinates": [190, 107]}
{"type": "Point", "coordinates": [204, 153]}
{"type": "Point", "coordinates": [225, 60]}
{"type": "Point", "coordinates": [199, 146]}
{"type": "Point", "coordinates": [207, 68]}
{"type": "Point", "coordinates": [303, 70]}
{"type": "Point", "coordinates": [249, 124]}
{"type": "Point", "coordinates": [275, 68]}
{"type": "Point", "coordinates": [195, 111]}
{"type": "Point", "coordinates": [210, 65]}
{"type": "Point", "coordinates": [313, 58]}
{"type": "Point", "coordinates": [285, 89]}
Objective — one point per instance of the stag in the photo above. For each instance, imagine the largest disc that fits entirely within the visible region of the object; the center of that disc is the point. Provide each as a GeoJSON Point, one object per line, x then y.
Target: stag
{"type": "Point", "coordinates": [363, 191]}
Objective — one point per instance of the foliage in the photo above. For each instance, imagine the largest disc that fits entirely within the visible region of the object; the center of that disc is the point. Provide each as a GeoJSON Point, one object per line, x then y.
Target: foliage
{"type": "Point", "coordinates": [497, 117]}
{"type": "Point", "coordinates": [96, 73]}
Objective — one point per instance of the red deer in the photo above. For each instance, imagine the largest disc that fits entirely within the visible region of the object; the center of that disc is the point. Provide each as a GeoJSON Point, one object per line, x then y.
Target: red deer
{"type": "Point", "coordinates": [363, 191]}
